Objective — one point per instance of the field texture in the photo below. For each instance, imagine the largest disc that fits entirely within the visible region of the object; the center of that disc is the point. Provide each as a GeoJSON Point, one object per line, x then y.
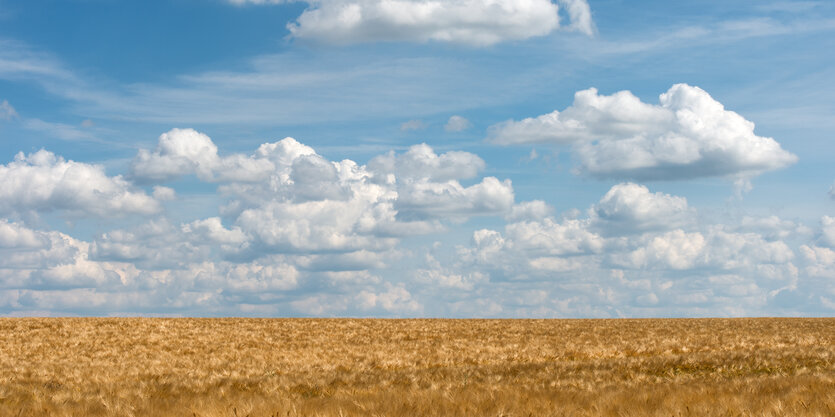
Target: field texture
{"type": "Point", "coordinates": [242, 367]}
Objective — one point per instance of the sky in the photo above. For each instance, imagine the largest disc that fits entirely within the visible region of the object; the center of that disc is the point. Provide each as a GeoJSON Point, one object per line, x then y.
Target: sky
{"type": "Point", "coordinates": [417, 158]}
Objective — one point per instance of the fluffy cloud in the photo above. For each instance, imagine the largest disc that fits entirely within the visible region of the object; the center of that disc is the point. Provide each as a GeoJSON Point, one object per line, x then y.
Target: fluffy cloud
{"type": "Point", "coordinates": [37, 259]}
{"type": "Point", "coordinates": [286, 198]}
{"type": "Point", "coordinates": [43, 182]}
{"type": "Point", "coordinates": [159, 264]}
{"type": "Point", "coordinates": [7, 112]}
{"type": "Point", "coordinates": [529, 210]}
{"type": "Point", "coordinates": [470, 22]}
{"type": "Point", "coordinates": [773, 227]}
{"type": "Point", "coordinates": [673, 250]}
{"type": "Point", "coordinates": [393, 299]}
{"type": "Point", "coordinates": [688, 135]}
{"type": "Point", "coordinates": [632, 208]}
{"type": "Point", "coordinates": [437, 275]}
{"type": "Point", "coordinates": [828, 231]}
{"type": "Point", "coordinates": [427, 184]}
{"type": "Point", "coordinates": [674, 264]}
{"type": "Point", "coordinates": [298, 233]}
{"type": "Point", "coordinates": [164, 193]}
{"type": "Point", "coordinates": [425, 199]}
{"type": "Point", "coordinates": [421, 162]}
{"type": "Point", "coordinates": [820, 261]}
{"type": "Point", "coordinates": [548, 237]}
{"type": "Point", "coordinates": [179, 152]}
{"type": "Point", "coordinates": [188, 152]}
{"type": "Point", "coordinates": [457, 124]}
{"type": "Point", "coordinates": [13, 235]}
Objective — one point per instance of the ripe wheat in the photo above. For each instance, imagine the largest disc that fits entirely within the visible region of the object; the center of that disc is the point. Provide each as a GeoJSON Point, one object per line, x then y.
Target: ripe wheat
{"type": "Point", "coordinates": [350, 367]}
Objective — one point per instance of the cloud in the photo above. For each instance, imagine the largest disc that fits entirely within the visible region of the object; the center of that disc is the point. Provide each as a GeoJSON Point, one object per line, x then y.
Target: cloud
{"type": "Point", "coordinates": [18, 61]}
{"type": "Point", "coordinates": [393, 299]}
{"type": "Point", "coordinates": [820, 261]}
{"type": "Point", "coordinates": [333, 247]}
{"type": "Point", "coordinates": [773, 227]}
{"type": "Point", "coordinates": [44, 182]}
{"type": "Point", "coordinates": [632, 208]}
{"type": "Point", "coordinates": [424, 198]}
{"type": "Point", "coordinates": [421, 162]}
{"type": "Point", "coordinates": [60, 130]}
{"type": "Point", "coordinates": [832, 190]}
{"type": "Point", "coordinates": [468, 22]}
{"type": "Point", "coordinates": [677, 267]}
{"type": "Point", "coordinates": [38, 259]}
{"type": "Point", "coordinates": [164, 193]}
{"type": "Point", "coordinates": [529, 210]}
{"type": "Point", "coordinates": [457, 124]}
{"type": "Point", "coordinates": [436, 275]}
{"type": "Point", "coordinates": [288, 199]}
{"type": "Point", "coordinates": [688, 135]}
{"type": "Point", "coordinates": [548, 237]}
{"type": "Point", "coordinates": [54, 130]}
{"type": "Point", "coordinates": [579, 14]}
{"type": "Point", "coordinates": [179, 152]}
{"type": "Point", "coordinates": [828, 231]}
{"type": "Point", "coordinates": [672, 250]}
{"type": "Point", "coordinates": [428, 187]}
{"type": "Point", "coordinates": [412, 125]}
{"type": "Point", "coordinates": [713, 248]}
{"type": "Point", "coordinates": [7, 112]}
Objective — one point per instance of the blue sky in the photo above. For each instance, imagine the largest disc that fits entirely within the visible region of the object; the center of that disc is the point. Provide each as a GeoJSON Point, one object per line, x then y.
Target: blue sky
{"type": "Point", "coordinates": [461, 158]}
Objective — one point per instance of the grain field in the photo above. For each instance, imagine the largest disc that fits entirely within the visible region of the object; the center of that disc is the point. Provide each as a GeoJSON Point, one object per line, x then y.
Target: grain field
{"type": "Point", "coordinates": [352, 367]}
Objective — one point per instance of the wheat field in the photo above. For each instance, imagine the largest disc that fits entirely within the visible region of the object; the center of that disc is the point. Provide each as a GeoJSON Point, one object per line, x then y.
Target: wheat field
{"type": "Point", "coordinates": [358, 367]}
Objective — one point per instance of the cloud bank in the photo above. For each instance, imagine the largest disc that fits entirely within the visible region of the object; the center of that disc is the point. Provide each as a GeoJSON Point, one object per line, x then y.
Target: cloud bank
{"type": "Point", "coordinates": [299, 234]}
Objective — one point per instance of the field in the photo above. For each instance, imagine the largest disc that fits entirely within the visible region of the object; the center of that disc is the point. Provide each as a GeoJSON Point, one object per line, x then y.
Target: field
{"type": "Point", "coordinates": [348, 367]}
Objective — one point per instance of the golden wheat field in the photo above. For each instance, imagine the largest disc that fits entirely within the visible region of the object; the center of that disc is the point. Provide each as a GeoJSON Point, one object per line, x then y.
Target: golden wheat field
{"type": "Point", "coordinates": [353, 367]}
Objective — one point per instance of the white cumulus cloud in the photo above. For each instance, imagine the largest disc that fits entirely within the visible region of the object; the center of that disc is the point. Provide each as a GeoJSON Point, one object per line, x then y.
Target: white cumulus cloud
{"type": "Point", "coordinates": [529, 210]}
{"type": "Point", "coordinates": [179, 152]}
{"type": "Point", "coordinates": [421, 161]}
{"type": "Point", "coordinates": [286, 198]}
{"type": "Point", "coordinates": [43, 182]}
{"type": "Point", "coordinates": [629, 207]}
{"type": "Point", "coordinates": [468, 22]}
{"type": "Point", "coordinates": [688, 135]}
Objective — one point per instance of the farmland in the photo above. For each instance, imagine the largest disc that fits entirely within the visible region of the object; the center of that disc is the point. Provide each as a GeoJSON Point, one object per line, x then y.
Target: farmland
{"type": "Point", "coordinates": [354, 367]}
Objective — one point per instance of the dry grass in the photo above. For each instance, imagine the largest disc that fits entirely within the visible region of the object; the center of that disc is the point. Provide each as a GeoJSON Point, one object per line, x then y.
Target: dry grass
{"type": "Point", "coordinates": [238, 367]}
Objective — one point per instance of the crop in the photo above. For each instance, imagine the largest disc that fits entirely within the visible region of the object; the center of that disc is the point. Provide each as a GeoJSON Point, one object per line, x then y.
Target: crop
{"type": "Point", "coordinates": [359, 367]}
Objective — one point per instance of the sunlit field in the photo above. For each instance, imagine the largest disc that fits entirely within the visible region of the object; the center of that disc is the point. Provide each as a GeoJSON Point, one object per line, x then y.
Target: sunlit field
{"type": "Point", "coordinates": [347, 367]}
